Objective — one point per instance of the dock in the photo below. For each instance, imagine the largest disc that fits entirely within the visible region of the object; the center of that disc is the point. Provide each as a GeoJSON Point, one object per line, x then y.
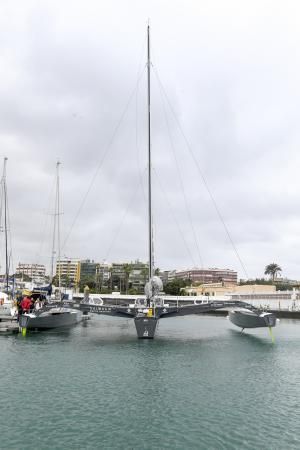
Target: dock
{"type": "Point", "coordinates": [8, 325]}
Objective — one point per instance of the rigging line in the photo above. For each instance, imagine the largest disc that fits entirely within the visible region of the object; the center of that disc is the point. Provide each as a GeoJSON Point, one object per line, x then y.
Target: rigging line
{"type": "Point", "coordinates": [138, 149]}
{"type": "Point", "coordinates": [132, 198]}
{"type": "Point", "coordinates": [139, 71]}
{"type": "Point", "coordinates": [136, 123]}
{"type": "Point", "coordinates": [203, 178]}
{"type": "Point", "coordinates": [10, 240]}
{"type": "Point", "coordinates": [45, 222]}
{"type": "Point", "coordinates": [10, 263]}
{"type": "Point", "coordinates": [181, 181]}
{"type": "Point", "coordinates": [102, 160]}
{"type": "Point", "coordinates": [174, 217]}
{"type": "Point", "coordinates": [1, 204]}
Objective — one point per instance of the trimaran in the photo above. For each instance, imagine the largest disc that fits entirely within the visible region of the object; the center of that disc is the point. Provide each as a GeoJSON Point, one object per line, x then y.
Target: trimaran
{"type": "Point", "coordinates": [147, 312]}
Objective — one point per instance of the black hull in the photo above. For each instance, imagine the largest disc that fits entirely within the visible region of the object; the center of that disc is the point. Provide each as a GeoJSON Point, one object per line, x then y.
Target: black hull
{"type": "Point", "coordinates": [248, 319]}
{"type": "Point", "coordinates": [145, 327]}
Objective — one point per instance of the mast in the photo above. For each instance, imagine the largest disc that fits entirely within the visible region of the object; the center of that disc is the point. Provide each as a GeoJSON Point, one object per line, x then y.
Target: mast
{"type": "Point", "coordinates": [149, 160]}
{"type": "Point", "coordinates": [5, 222]}
{"type": "Point", "coordinates": [54, 232]}
{"type": "Point", "coordinates": [56, 226]}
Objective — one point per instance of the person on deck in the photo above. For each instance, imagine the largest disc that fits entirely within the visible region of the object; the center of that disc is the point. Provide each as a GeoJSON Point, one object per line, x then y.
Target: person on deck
{"type": "Point", "coordinates": [18, 305]}
{"type": "Point", "coordinates": [26, 304]}
{"type": "Point", "coordinates": [38, 304]}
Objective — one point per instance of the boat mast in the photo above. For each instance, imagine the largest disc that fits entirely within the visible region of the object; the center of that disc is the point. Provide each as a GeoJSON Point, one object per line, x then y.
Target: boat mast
{"type": "Point", "coordinates": [5, 221]}
{"type": "Point", "coordinates": [54, 232]}
{"type": "Point", "coordinates": [149, 161]}
{"type": "Point", "coordinates": [58, 225]}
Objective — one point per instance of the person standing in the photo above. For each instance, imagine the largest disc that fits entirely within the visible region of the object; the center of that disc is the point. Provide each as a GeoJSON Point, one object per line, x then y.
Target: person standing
{"type": "Point", "coordinates": [26, 304]}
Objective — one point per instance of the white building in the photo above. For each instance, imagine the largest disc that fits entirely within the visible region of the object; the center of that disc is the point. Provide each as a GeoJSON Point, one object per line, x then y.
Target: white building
{"type": "Point", "coordinates": [36, 272]}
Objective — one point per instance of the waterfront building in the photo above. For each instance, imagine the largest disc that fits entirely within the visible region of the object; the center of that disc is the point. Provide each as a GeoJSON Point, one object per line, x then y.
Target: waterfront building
{"type": "Point", "coordinates": [213, 289]}
{"type": "Point", "coordinates": [167, 276]}
{"type": "Point", "coordinates": [88, 269]}
{"type": "Point", "coordinates": [36, 272]}
{"type": "Point", "coordinates": [138, 275]}
{"type": "Point", "coordinates": [69, 270]}
{"type": "Point", "coordinates": [103, 275]}
{"type": "Point", "coordinates": [210, 275]}
{"type": "Point", "coordinates": [124, 276]}
{"type": "Point", "coordinates": [118, 276]}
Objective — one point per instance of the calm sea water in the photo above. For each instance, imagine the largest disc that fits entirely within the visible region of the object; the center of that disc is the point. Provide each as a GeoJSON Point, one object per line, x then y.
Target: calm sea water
{"type": "Point", "coordinates": [199, 385]}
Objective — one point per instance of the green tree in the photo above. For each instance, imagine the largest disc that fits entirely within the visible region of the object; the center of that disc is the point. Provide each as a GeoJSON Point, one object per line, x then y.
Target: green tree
{"type": "Point", "coordinates": [127, 269]}
{"type": "Point", "coordinates": [55, 280]}
{"type": "Point", "coordinates": [145, 277]}
{"type": "Point", "coordinates": [23, 276]}
{"type": "Point", "coordinates": [272, 269]}
{"type": "Point", "coordinates": [89, 281]}
{"type": "Point", "coordinates": [65, 280]}
{"type": "Point", "coordinates": [175, 287]}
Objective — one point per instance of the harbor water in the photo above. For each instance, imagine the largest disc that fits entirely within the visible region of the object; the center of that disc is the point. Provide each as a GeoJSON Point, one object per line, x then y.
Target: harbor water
{"type": "Point", "coordinates": [200, 384]}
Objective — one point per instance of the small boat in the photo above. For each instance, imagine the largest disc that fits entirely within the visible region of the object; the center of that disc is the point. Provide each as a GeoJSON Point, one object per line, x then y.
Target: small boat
{"type": "Point", "coordinates": [50, 317]}
{"type": "Point", "coordinates": [245, 318]}
{"type": "Point", "coordinates": [6, 305]}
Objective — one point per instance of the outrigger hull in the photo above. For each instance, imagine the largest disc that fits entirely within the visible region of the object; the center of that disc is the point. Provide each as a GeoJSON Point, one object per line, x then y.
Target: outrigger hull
{"type": "Point", "coordinates": [249, 319]}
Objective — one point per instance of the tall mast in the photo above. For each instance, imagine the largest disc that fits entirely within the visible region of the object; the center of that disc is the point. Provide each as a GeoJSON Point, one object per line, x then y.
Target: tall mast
{"type": "Point", "coordinates": [5, 221]}
{"type": "Point", "coordinates": [58, 224]}
{"type": "Point", "coordinates": [54, 232]}
{"type": "Point", "coordinates": [149, 162]}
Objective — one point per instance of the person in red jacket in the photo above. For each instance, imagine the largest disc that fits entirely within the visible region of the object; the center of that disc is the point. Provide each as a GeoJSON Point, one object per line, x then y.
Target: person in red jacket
{"type": "Point", "coordinates": [26, 304]}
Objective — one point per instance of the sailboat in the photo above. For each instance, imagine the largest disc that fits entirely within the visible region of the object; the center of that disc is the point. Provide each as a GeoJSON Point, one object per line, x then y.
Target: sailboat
{"type": "Point", "coordinates": [52, 315]}
{"type": "Point", "coordinates": [147, 312]}
{"type": "Point", "coordinates": [6, 296]}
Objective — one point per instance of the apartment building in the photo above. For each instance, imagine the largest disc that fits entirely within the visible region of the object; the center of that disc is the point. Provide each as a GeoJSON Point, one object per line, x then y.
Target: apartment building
{"type": "Point", "coordinates": [69, 270]}
{"type": "Point", "coordinates": [36, 272]}
{"type": "Point", "coordinates": [210, 275]}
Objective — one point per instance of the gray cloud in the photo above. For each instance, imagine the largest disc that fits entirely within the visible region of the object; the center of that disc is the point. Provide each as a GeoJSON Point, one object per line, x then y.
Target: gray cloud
{"type": "Point", "coordinates": [231, 74]}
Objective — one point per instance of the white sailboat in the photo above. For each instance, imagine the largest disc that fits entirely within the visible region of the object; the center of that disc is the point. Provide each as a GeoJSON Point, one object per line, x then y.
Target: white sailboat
{"type": "Point", "coordinates": [52, 315]}
{"type": "Point", "coordinates": [6, 295]}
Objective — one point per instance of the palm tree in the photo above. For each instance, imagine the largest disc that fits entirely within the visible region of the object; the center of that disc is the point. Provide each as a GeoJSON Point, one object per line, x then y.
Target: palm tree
{"type": "Point", "coordinates": [127, 269]}
{"type": "Point", "coordinates": [272, 269]}
{"type": "Point", "coordinates": [111, 278]}
{"type": "Point", "coordinates": [145, 275]}
{"type": "Point", "coordinates": [157, 272]}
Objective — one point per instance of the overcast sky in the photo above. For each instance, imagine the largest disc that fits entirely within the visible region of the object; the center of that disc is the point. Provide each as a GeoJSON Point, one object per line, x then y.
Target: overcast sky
{"type": "Point", "coordinates": [225, 106]}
